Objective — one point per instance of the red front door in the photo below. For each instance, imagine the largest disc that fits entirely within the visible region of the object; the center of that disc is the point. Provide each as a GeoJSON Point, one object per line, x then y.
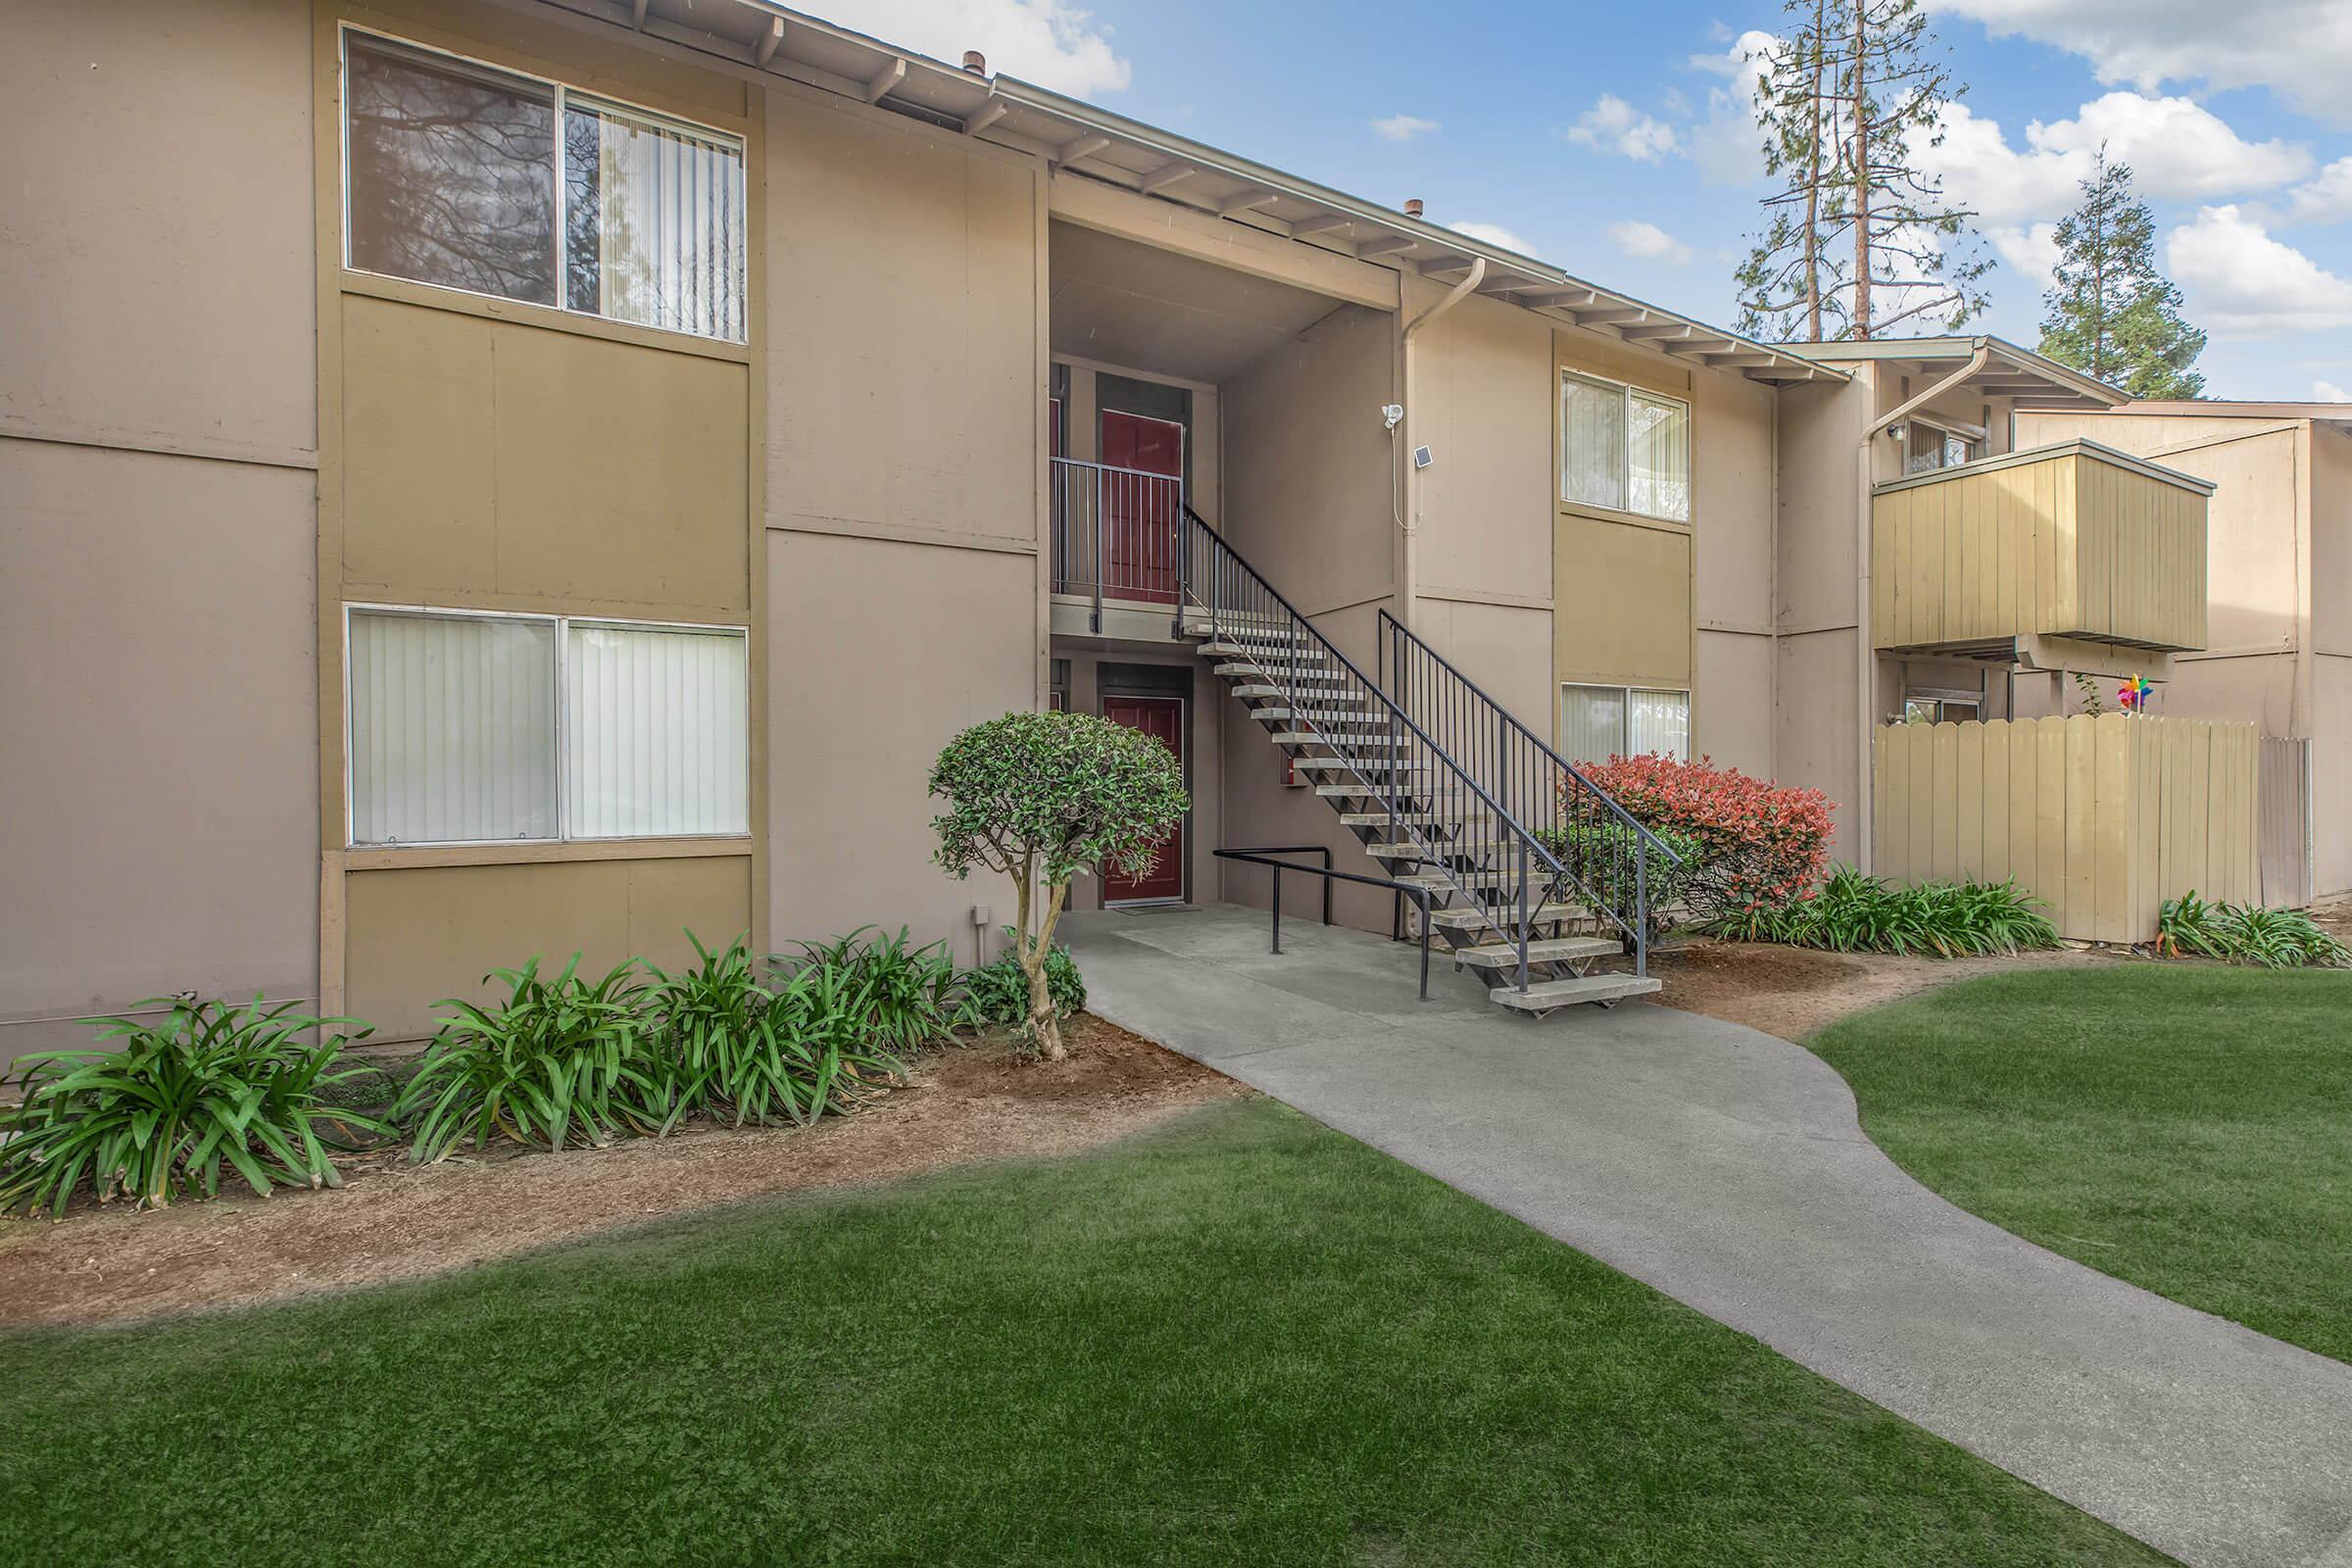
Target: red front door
{"type": "Point", "coordinates": [1163, 719]}
{"type": "Point", "coordinates": [1140, 517]}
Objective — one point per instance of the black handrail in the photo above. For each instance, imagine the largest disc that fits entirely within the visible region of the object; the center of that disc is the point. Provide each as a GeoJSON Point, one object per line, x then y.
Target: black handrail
{"type": "Point", "coordinates": [1590, 829]}
{"type": "Point", "coordinates": [1265, 857]}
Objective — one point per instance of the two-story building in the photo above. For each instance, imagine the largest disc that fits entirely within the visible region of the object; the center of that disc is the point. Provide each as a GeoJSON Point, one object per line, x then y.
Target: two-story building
{"type": "Point", "coordinates": [493, 477]}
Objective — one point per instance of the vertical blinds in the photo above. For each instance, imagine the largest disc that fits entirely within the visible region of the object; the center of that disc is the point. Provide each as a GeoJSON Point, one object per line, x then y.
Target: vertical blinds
{"type": "Point", "coordinates": [453, 729]}
{"type": "Point", "coordinates": [1660, 722]}
{"type": "Point", "coordinates": [1659, 486]}
{"type": "Point", "coordinates": [656, 741]}
{"type": "Point", "coordinates": [657, 220]}
{"type": "Point", "coordinates": [1623, 449]}
{"type": "Point", "coordinates": [1598, 723]}
{"type": "Point", "coordinates": [1592, 442]}
{"type": "Point", "coordinates": [467, 729]}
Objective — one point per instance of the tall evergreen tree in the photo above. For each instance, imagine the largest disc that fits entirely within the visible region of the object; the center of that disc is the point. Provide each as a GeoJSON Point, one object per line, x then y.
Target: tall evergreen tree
{"type": "Point", "coordinates": [2112, 315]}
{"type": "Point", "coordinates": [1859, 239]}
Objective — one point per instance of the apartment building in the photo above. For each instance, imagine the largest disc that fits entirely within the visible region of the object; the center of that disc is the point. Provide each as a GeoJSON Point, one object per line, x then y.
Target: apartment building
{"type": "Point", "coordinates": [493, 477]}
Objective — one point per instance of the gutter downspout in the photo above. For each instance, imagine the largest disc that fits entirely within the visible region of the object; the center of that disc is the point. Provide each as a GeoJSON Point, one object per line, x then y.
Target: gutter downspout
{"type": "Point", "coordinates": [1409, 525]}
{"type": "Point", "coordinates": [1866, 663]}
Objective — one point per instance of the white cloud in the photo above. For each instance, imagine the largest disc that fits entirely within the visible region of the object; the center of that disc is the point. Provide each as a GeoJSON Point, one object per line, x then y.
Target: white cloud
{"type": "Point", "coordinates": [1615, 126]}
{"type": "Point", "coordinates": [2031, 249]}
{"type": "Point", "coordinates": [1403, 127]}
{"type": "Point", "coordinates": [2329, 392]}
{"type": "Point", "coordinates": [1647, 242]}
{"type": "Point", "coordinates": [1727, 145]}
{"type": "Point", "coordinates": [2327, 199]}
{"type": "Point", "coordinates": [1051, 42]}
{"type": "Point", "coordinates": [2240, 282]}
{"type": "Point", "coordinates": [1494, 235]}
{"type": "Point", "coordinates": [2301, 49]}
{"type": "Point", "coordinates": [2178, 150]}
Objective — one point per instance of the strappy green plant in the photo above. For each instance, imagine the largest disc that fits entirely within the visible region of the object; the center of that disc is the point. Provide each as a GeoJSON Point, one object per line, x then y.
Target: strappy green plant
{"type": "Point", "coordinates": [1858, 914]}
{"type": "Point", "coordinates": [2241, 933]}
{"type": "Point", "coordinates": [558, 1061]}
{"type": "Point", "coordinates": [907, 995]}
{"type": "Point", "coordinates": [156, 1108]}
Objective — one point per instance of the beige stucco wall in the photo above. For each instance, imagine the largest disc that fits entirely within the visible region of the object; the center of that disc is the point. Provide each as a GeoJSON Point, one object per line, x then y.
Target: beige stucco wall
{"type": "Point", "coordinates": [1815, 713]}
{"type": "Point", "coordinates": [157, 821]}
{"type": "Point", "coordinates": [906, 447]}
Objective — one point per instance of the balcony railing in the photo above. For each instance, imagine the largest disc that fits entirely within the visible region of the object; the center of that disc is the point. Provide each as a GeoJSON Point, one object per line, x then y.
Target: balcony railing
{"type": "Point", "coordinates": [1116, 534]}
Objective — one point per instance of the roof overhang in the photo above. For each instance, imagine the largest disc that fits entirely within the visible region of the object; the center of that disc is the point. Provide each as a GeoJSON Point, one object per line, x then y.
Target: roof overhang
{"type": "Point", "coordinates": [2009, 370]}
{"type": "Point", "coordinates": [757, 37]}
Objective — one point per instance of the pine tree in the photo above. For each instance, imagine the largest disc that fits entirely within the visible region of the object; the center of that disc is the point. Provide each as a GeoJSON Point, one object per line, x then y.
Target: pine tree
{"type": "Point", "coordinates": [1842, 99]}
{"type": "Point", "coordinates": [2112, 315]}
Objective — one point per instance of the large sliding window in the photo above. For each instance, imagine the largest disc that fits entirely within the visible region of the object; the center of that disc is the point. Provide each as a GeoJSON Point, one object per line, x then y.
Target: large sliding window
{"type": "Point", "coordinates": [1598, 723]}
{"type": "Point", "coordinates": [479, 728]}
{"type": "Point", "coordinates": [1624, 449]}
{"type": "Point", "coordinates": [469, 178]}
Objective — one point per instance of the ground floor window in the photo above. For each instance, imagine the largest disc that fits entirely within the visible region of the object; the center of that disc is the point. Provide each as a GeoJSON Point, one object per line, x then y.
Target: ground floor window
{"type": "Point", "coordinates": [1938, 710]}
{"type": "Point", "coordinates": [1598, 723]}
{"type": "Point", "coordinates": [468, 727]}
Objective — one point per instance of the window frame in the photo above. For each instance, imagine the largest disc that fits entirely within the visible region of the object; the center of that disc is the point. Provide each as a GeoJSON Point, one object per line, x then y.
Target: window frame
{"type": "Point", "coordinates": [1627, 392]}
{"type": "Point", "coordinates": [561, 705]}
{"type": "Point", "coordinates": [1625, 696]}
{"type": "Point", "coordinates": [563, 92]}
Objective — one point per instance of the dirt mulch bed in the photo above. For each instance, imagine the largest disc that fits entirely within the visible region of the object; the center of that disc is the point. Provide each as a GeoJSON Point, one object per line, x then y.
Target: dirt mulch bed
{"type": "Point", "coordinates": [1791, 992]}
{"type": "Point", "coordinates": [393, 1221]}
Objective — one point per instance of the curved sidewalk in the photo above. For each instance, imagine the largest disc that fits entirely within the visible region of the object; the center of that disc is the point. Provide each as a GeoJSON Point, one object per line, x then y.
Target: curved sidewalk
{"type": "Point", "coordinates": [1725, 1169]}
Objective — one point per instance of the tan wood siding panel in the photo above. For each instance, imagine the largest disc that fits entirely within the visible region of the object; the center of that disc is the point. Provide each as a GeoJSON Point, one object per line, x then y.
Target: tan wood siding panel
{"type": "Point", "coordinates": [2100, 817]}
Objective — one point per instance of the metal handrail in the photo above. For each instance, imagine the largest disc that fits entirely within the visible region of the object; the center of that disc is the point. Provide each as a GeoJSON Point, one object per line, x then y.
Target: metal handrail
{"type": "Point", "coordinates": [1264, 855]}
{"type": "Point", "coordinates": [1080, 495]}
{"type": "Point", "coordinates": [1520, 761]}
{"type": "Point", "coordinates": [1525, 842]}
{"type": "Point", "coordinates": [1399, 628]}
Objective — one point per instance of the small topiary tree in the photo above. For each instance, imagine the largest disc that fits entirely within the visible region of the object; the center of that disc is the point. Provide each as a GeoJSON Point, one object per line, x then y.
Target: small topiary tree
{"type": "Point", "coordinates": [1042, 798]}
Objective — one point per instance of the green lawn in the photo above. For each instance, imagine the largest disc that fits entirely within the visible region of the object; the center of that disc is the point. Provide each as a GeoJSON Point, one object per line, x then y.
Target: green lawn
{"type": "Point", "coordinates": [2184, 1127]}
{"type": "Point", "coordinates": [1246, 1340]}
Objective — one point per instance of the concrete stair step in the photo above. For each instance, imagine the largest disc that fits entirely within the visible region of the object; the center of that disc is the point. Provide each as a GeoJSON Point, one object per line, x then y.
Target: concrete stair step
{"type": "Point", "coordinates": [1356, 744]}
{"type": "Point", "coordinates": [1329, 717]}
{"type": "Point", "coordinates": [1332, 765]}
{"type": "Point", "coordinates": [1550, 950]}
{"type": "Point", "coordinates": [1552, 994]}
{"type": "Point", "coordinates": [1430, 826]}
{"type": "Point", "coordinates": [1240, 671]}
{"type": "Point", "coordinates": [1258, 651]}
{"type": "Point", "coordinates": [1481, 919]}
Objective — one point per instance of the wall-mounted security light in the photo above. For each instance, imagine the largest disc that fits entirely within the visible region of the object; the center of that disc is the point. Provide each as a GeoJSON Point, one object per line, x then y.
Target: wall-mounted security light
{"type": "Point", "coordinates": [1392, 414]}
{"type": "Point", "coordinates": [1898, 432]}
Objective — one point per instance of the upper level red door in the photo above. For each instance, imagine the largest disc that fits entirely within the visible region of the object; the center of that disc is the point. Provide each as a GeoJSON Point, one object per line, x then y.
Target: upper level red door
{"type": "Point", "coordinates": [1141, 515]}
{"type": "Point", "coordinates": [1162, 718]}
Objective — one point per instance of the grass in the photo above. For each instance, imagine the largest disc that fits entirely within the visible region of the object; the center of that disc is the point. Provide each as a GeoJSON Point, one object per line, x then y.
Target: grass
{"type": "Point", "coordinates": [1247, 1338]}
{"type": "Point", "coordinates": [2181, 1127]}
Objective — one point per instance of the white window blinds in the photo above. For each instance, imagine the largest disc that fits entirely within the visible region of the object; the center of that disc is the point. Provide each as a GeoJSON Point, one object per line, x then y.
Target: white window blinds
{"type": "Point", "coordinates": [656, 732]}
{"type": "Point", "coordinates": [1660, 722]}
{"type": "Point", "coordinates": [1592, 442]}
{"type": "Point", "coordinates": [654, 221]}
{"type": "Point", "coordinates": [1591, 723]}
{"type": "Point", "coordinates": [453, 729]}
{"type": "Point", "coordinates": [1659, 462]}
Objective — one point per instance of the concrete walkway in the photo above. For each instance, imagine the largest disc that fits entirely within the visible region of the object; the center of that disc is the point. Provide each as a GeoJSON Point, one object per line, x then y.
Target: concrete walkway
{"type": "Point", "coordinates": [1725, 1169]}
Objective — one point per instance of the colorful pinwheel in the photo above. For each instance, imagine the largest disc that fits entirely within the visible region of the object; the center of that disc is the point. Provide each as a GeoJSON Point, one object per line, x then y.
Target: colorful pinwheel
{"type": "Point", "coordinates": [2133, 694]}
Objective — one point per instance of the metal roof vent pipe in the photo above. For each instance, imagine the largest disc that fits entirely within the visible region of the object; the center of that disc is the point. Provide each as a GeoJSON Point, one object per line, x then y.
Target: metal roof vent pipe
{"type": "Point", "coordinates": [1412, 206]}
{"type": "Point", "coordinates": [976, 62]}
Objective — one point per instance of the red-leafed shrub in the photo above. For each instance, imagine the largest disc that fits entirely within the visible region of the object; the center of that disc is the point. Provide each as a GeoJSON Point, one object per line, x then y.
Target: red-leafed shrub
{"type": "Point", "coordinates": [1762, 845]}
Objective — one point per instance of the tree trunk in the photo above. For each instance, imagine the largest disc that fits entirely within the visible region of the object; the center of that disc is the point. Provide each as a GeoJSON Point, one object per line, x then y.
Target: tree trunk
{"type": "Point", "coordinates": [1820, 49]}
{"type": "Point", "coordinates": [1861, 321]}
{"type": "Point", "coordinates": [1044, 1027]}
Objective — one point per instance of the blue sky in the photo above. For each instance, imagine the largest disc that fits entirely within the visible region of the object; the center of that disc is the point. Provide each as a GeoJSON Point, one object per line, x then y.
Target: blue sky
{"type": "Point", "coordinates": [1618, 141]}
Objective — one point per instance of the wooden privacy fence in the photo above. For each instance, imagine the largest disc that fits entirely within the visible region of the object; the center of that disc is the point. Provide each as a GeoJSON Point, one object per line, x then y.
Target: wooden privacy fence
{"type": "Point", "coordinates": [2101, 817]}
{"type": "Point", "coordinates": [2282, 823]}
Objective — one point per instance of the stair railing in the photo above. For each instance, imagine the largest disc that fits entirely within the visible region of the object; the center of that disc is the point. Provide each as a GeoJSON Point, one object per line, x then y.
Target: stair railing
{"type": "Point", "coordinates": [1244, 606]}
{"type": "Point", "coordinates": [1609, 857]}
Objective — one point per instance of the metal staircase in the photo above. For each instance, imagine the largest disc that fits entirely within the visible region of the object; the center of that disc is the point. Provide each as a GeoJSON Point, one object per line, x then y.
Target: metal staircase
{"type": "Point", "coordinates": [1533, 876]}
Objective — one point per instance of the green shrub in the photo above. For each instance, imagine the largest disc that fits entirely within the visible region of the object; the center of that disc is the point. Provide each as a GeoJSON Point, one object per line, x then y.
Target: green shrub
{"type": "Point", "coordinates": [906, 996]}
{"type": "Point", "coordinates": [998, 992]}
{"type": "Point", "coordinates": [558, 1061]}
{"type": "Point", "coordinates": [155, 1110]}
{"type": "Point", "coordinates": [736, 1048]}
{"type": "Point", "coordinates": [2241, 933]}
{"type": "Point", "coordinates": [1858, 914]}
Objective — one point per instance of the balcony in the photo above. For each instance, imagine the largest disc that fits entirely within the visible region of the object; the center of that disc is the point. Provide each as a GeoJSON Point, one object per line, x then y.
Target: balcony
{"type": "Point", "coordinates": [2074, 540]}
{"type": "Point", "coordinates": [1115, 557]}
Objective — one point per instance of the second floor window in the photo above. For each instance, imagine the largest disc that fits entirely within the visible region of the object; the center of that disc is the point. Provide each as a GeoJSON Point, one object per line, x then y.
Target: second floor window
{"type": "Point", "coordinates": [473, 178]}
{"type": "Point", "coordinates": [1624, 449]}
